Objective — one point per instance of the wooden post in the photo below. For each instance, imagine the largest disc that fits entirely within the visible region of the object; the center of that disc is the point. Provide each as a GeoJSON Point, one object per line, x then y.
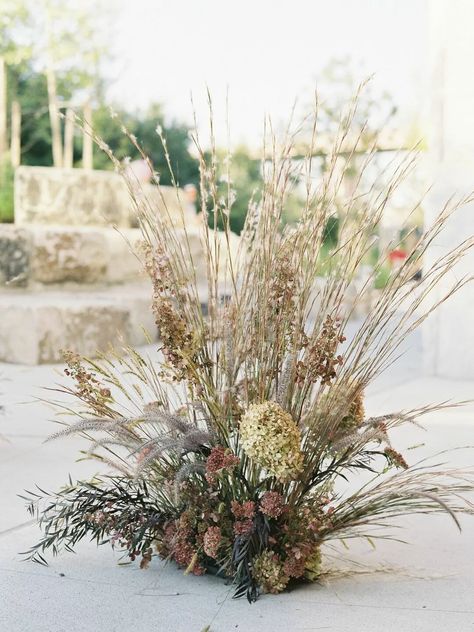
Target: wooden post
{"type": "Point", "coordinates": [87, 142]}
{"type": "Point", "coordinates": [54, 117]}
{"type": "Point", "coordinates": [15, 146]}
{"type": "Point", "coordinates": [68, 139]}
{"type": "Point", "coordinates": [3, 109]}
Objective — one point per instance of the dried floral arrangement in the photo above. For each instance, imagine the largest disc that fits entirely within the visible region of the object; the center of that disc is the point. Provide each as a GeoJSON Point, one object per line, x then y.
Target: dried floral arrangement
{"type": "Point", "coordinates": [235, 451]}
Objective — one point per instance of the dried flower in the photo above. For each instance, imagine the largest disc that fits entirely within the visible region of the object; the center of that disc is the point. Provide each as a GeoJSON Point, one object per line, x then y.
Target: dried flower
{"type": "Point", "coordinates": [219, 459]}
{"type": "Point", "coordinates": [243, 527]}
{"type": "Point", "coordinates": [177, 342]}
{"type": "Point", "coordinates": [212, 541]}
{"type": "Point", "coordinates": [272, 504]}
{"type": "Point", "coordinates": [243, 510]}
{"type": "Point", "coordinates": [88, 387]}
{"type": "Point", "coordinates": [283, 285]}
{"type": "Point", "coordinates": [268, 572]}
{"type": "Point", "coordinates": [270, 436]}
{"type": "Point", "coordinates": [395, 458]}
{"type": "Point", "coordinates": [294, 565]}
{"type": "Point", "coordinates": [320, 360]}
{"type": "Point", "coordinates": [313, 565]}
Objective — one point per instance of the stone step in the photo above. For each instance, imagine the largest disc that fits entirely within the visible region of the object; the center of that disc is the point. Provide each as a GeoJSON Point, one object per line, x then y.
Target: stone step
{"type": "Point", "coordinates": [58, 254]}
{"type": "Point", "coordinates": [36, 325]}
{"type": "Point", "coordinates": [35, 254]}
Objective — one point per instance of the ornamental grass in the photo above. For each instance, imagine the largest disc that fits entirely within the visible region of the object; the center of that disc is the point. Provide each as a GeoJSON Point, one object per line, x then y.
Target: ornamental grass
{"type": "Point", "coordinates": [235, 449]}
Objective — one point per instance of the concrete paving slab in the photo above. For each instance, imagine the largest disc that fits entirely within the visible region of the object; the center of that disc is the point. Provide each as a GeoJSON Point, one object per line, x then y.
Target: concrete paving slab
{"type": "Point", "coordinates": [427, 586]}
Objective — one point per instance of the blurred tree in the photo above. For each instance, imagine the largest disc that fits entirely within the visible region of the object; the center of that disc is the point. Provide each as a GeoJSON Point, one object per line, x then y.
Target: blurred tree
{"type": "Point", "coordinates": [71, 51]}
{"type": "Point", "coordinates": [246, 181]}
{"type": "Point", "coordinates": [337, 86]}
{"type": "Point", "coordinates": [14, 50]}
{"type": "Point", "coordinates": [67, 42]}
{"type": "Point", "coordinates": [339, 83]}
{"type": "Point", "coordinates": [143, 125]}
{"type": "Point", "coordinates": [246, 176]}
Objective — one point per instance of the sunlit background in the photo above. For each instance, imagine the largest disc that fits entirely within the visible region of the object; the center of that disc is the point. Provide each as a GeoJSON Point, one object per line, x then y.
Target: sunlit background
{"type": "Point", "coordinates": [265, 54]}
{"type": "Point", "coordinates": [161, 64]}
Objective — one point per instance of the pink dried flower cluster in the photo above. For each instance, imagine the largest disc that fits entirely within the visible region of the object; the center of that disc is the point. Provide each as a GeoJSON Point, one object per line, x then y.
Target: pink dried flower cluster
{"type": "Point", "coordinates": [219, 459]}
{"type": "Point", "coordinates": [243, 510]}
{"type": "Point", "coordinates": [272, 504]}
{"type": "Point", "coordinates": [212, 541]}
{"type": "Point", "coordinates": [177, 542]}
{"type": "Point", "coordinates": [245, 513]}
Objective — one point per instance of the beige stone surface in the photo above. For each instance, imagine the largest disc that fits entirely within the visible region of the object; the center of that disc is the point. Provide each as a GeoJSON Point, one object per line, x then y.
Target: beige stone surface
{"type": "Point", "coordinates": [81, 197]}
{"type": "Point", "coordinates": [75, 197]}
{"type": "Point", "coordinates": [14, 255]}
{"type": "Point", "coordinates": [64, 254]}
{"type": "Point", "coordinates": [35, 326]}
{"type": "Point", "coordinates": [37, 253]}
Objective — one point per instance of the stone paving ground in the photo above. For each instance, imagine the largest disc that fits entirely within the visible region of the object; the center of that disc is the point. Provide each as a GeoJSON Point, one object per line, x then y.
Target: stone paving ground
{"type": "Point", "coordinates": [427, 586]}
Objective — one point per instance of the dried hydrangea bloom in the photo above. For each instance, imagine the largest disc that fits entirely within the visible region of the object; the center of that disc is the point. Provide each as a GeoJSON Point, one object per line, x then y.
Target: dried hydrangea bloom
{"type": "Point", "coordinates": [313, 565]}
{"type": "Point", "coordinates": [212, 541]}
{"type": "Point", "coordinates": [243, 510]}
{"type": "Point", "coordinates": [268, 572]}
{"type": "Point", "coordinates": [243, 527]}
{"type": "Point", "coordinates": [219, 459]}
{"type": "Point", "coordinates": [272, 504]}
{"type": "Point", "coordinates": [294, 565]}
{"type": "Point", "coordinates": [271, 437]}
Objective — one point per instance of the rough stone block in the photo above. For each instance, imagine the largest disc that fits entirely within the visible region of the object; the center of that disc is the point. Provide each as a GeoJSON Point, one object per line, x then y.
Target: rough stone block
{"type": "Point", "coordinates": [122, 262]}
{"type": "Point", "coordinates": [81, 197]}
{"type": "Point", "coordinates": [14, 255]}
{"type": "Point", "coordinates": [77, 197]}
{"type": "Point", "coordinates": [66, 254]}
{"type": "Point", "coordinates": [35, 326]}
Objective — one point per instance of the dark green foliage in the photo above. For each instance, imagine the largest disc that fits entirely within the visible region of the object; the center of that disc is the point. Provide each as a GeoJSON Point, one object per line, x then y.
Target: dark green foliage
{"type": "Point", "coordinates": [184, 166]}
{"type": "Point", "coordinates": [331, 232]}
{"type": "Point", "coordinates": [31, 92]}
{"type": "Point", "coordinates": [6, 191]}
{"type": "Point", "coordinates": [76, 512]}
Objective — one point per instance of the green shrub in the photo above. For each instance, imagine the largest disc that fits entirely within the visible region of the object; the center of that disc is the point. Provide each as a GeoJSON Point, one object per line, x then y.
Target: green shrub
{"type": "Point", "coordinates": [382, 277]}
{"type": "Point", "coordinates": [6, 190]}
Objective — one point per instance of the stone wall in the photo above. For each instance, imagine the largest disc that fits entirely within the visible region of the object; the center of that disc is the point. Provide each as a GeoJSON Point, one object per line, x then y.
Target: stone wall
{"type": "Point", "coordinates": [37, 254]}
{"type": "Point", "coordinates": [81, 197]}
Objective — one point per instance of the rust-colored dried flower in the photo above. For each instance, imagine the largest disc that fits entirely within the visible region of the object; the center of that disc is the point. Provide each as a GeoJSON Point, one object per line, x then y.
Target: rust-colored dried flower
{"type": "Point", "coordinates": [212, 541]}
{"type": "Point", "coordinates": [271, 437]}
{"type": "Point", "coordinates": [272, 504]}
{"type": "Point", "coordinates": [320, 359]}
{"type": "Point", "coordinates": [243, 510]}
{"type": "Point", "coordinates": [396, 458]}
{"type": "Point", "coordinates": [219, 459]}
{"type": "Point", "coordinates": [178, 543]}
{"type": "Point", "coordinates": [243, 527]}
{"type": "Point", "coordinates": [177, 342]}
{"type": "Point", "coordinates": [157, 264]}
{"type": "Point", "coordinates": [294, 565]}
{"type": "Point", "coordinates": [283, 284]}
{"type": "Point", "coordinates": [88, 388]}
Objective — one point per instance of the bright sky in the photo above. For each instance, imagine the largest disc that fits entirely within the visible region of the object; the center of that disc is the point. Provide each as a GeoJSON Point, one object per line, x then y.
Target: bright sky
{"type": "Point", "coordinates": [266, 52]}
